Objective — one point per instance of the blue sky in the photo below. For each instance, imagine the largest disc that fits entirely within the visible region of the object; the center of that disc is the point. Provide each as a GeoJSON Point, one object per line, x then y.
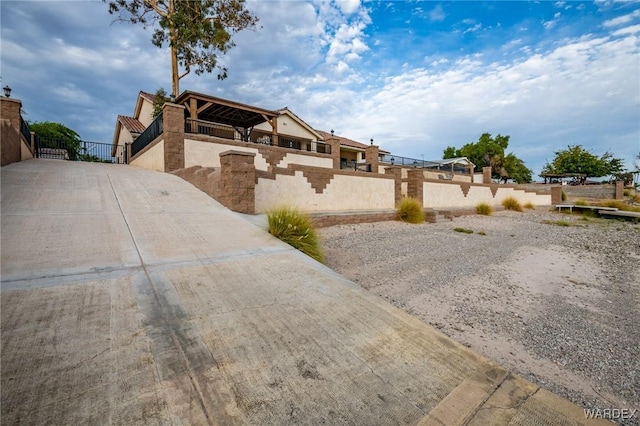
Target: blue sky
{"type": "Point", "coordinates": [416, 76]}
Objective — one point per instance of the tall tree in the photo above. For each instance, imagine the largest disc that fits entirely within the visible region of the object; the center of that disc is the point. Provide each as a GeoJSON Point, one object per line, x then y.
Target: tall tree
{"type": "Point", "coordinates": [576, 159]}
{"type": "Point", "coordinates": [197, 31]}
{"type": "Point", "coordinates": [489, 151]}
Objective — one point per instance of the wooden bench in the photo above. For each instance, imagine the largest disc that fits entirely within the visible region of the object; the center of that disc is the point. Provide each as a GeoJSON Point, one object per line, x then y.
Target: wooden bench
{"type": "Point", "coordinates": [620, 214]}
{"type": "Point", "coordinates": [579, 207]}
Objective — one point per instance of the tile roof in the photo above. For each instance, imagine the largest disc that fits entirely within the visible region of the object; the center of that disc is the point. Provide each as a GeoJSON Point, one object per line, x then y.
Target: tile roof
{"type": "Point", "coordinates": [131, 124]}
{"type": "Point", "coordinates": [148, 96]}
{"type": "Point", "coordinates": [343, 141]}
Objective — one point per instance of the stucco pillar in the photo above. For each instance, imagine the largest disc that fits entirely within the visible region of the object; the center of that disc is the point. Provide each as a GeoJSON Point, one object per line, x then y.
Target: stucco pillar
{"type": "Point", "coordinates": [619, 189]}
{"type": "Point", "coordinates": [173, 134]}
{"type": "Point", "coordinates": [238, 181]}
{"type": "Point", "coordinates": [396, 171]}
{"type": "Point", "coordinates": [371, 153]}
{"type": "Point", "coordinates": [486, 175]}
{"type": "Point", "coordinates": [415, 180]}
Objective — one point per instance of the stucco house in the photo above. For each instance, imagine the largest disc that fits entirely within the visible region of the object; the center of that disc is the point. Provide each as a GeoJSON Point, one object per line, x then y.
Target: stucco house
{"type": "Point", "coordinates": [222, 118]}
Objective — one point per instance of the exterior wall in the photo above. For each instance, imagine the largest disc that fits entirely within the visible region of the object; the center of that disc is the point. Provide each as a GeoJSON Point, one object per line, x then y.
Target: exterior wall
{"type": "Point", "coordinates": [146, 113]}
{"type": "Point", "coordinates": [428, 174]}
{"type": "Point", "coordinates": [343, 192]}
{"type": "Point", "coordinates": [449, 195]}
{"type": "Point", "coordinates": [207, 154]}
{"type": "Point", "coordinates": [306, 160]}
{"type": "Point", "coordinates": [288, 126]}
{"type": "Point", "coordinates": [13, 146]}
{"type": "Point", "coordinates": [152, 157]}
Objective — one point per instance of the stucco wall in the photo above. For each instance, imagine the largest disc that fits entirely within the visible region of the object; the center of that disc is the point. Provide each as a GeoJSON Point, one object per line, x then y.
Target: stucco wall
{"type": "Point", "coordinates": [439, 195]}
{"type": "Point", "coordinates": [288, 126]}
{"type": "Point", "coordinates": [342, 193]}
{"type": "Point", "coordinates": [207, 154]}
{"type": "Point", "coordinates": [306, 160]}
{"type": "Point", "coordinates": [152, 157]}
{"type": "Point", "coordinates": [146, 113]}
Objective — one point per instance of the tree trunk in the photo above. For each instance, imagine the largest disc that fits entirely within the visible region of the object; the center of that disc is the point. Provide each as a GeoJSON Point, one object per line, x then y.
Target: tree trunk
{"type": "Point", "coordinates": [174, 53]}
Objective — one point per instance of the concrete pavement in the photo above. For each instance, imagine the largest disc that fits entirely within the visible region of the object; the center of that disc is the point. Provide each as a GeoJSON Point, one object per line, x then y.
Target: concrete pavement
{"type": "Point", "coordinates": [130, 297]}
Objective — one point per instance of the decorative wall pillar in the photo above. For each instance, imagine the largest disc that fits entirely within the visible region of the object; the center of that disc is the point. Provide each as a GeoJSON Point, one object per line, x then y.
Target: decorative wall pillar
{"type": "Point", "coordinates": [173, 135]}
{"type": "Point", "coordinates": [371, 153]}
{"type": "Point", "coordinates": [335, 151]}
{"type": "Point", "coordinates": [238, 181]}
{"type": "Point", "coordinates": [556, 195]}
{"type": "Point", "coordinates": [396, 171]}
{"type": "Point", "coordinates": [619, 189]}
{"type": "Point", "coordinates": [415, 180]}
{"type": "Point", "coordinates": [486, 175]}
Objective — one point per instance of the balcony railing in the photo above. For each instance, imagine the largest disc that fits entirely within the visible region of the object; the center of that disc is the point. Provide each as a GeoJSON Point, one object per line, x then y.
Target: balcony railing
{"type": "Point", "coordinates": [423, 164]}
{"type": "Point", "coordinates": [257, 136]}
{"type": "Point", "coordinates": [149, 135]}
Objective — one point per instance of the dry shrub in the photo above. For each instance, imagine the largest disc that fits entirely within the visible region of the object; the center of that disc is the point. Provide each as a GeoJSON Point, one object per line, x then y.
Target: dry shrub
{"type": "Point", "coordinates": [410, 210]}
{"type": "Point", "coordinates": [484, 208]}
{"type": "Point", "coordinates": [511, 203]}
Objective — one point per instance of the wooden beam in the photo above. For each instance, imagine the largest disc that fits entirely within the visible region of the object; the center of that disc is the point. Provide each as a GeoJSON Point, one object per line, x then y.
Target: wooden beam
{"type": "Point", "coordinates": [193, 108]}
{"type": "Point", "coordinates": [205, 106]}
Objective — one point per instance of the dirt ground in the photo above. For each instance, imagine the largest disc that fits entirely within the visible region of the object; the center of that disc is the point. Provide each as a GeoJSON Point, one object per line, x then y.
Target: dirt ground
{"type": "Point", "coordinates": [553, 297]}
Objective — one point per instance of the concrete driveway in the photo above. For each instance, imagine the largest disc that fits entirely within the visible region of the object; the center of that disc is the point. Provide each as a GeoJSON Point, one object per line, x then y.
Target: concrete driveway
{"type": "Point", "coordinates": [130, 297]}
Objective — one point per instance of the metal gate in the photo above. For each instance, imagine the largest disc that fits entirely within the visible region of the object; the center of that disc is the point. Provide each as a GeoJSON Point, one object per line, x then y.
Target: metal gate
{"type": "Point", "coordinates": [74, 150]}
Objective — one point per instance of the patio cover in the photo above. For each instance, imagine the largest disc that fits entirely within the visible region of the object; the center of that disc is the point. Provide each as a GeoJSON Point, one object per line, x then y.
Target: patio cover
{"type": "Point", "coordinates": [223, 111]}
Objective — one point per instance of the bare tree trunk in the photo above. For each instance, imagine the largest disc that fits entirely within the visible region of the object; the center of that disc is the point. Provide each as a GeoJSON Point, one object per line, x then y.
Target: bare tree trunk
{"type": "Point", "coordinates": [174, 54]}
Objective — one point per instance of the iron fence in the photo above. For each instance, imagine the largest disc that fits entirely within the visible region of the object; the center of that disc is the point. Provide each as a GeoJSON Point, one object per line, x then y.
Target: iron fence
{"type": "Point", "coordinates": [423, 164]}
{"type": "Point", "coordinates": [24, 129]}
{"type": "Point", "coordinates": [75, 150]}
{"type": "Point", "coordinates": [149, 135]}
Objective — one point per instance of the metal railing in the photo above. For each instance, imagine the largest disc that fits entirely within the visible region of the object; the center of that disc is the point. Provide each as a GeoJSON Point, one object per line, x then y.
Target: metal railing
{"type": "Point", "coordinates": [149, 135]}
{"type": "Point", "coordinates": [75, 150]}
{"type": "Point", "coordinates": [257, 136]}
{"type": "Point", "coordinates": [398, 160]}
{"type": "Point", "coordinates": [210, 129]}
{"type": "Point", "coordinates": [24, 129]}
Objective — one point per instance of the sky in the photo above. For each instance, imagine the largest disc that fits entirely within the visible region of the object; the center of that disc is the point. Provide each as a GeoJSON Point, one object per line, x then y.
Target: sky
{"type": "Point", "coordinates": [414, 76]}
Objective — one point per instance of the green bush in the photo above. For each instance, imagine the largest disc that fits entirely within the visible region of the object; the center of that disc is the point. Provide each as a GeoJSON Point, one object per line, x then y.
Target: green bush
{"type": "Point", "coordinates": [581, 203]}
{"type": "Point", "coordinates": [484, 208]}
{"type": "Point", "coordinates": [564, 196]}
{"type": "Point", "coordinates": [529, 206]}
{"type": "Point", "coordinates": [511, 203]}
{"type": "Point", "coordinates": [296, 229]}
{"type": "Point", "coordinates": [410, 210]}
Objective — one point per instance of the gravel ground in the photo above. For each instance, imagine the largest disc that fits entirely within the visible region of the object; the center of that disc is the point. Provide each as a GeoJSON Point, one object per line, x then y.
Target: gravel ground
{"type": "Point", "coordinates": [558, 305]}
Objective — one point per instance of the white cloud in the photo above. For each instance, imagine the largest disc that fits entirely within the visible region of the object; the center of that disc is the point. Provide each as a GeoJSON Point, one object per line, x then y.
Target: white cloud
{"type": "Point", "coordinates": [348, 7]}
{"type": "Point", "coordinates": [634, 29]}
{"type": "Point", "coordinates": [622, 20]}
{"type": "Point", "coordinates": [437, 14]}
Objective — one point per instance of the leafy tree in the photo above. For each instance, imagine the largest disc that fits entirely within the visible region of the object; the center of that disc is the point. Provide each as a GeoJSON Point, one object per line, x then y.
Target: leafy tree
{"type": "Point", "coordinates": [489, 152]}
{"type": "Point", "coordinates": [57, 135]}
{"type": "Point", "coordinates": [576, 159]}
{"type": "Point", "coordinates": [160, 99]}
{"type": "Point", "coordinates": [197, 31]}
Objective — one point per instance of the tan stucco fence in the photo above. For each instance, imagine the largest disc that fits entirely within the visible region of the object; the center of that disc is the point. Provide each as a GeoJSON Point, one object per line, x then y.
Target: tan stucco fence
{"type": "Point", "coordinates": [252, 178]}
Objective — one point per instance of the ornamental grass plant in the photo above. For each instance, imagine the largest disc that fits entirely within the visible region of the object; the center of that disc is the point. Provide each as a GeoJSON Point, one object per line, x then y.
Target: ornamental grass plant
{"type": "Point", "coordinates": [296, 229]}
{"type": "Point", "coordinates": [410, 210]}
{"type": "Point", "coordinates": [484, 209]}
{"type": "Point", "coordinates": [511, 203]}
